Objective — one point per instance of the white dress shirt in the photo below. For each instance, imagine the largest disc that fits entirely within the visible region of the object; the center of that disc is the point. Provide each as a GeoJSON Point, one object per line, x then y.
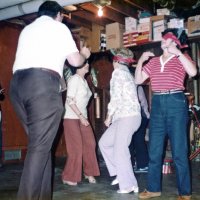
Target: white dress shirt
{"type": "Point", "coordinates": [45, 43]}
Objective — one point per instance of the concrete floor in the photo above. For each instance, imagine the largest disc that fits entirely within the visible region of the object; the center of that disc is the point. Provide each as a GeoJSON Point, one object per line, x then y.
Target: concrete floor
{"type": "Point", "coordinates": [10, 176]}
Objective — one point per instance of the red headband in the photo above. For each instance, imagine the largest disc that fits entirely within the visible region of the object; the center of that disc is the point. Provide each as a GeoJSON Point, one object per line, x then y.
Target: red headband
{"type": "Point", "coordinates": [175, 39]}
{"type": "Point", "coordinates": [124, 60]}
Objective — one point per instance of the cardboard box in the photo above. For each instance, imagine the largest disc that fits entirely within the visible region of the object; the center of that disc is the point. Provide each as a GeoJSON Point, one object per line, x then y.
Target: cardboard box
{"type": "Point", "coordinates": [159, 23]}
{"type": "Point", "coordinates": [83, 32]}
{"type": "Point", "coordinates": [142, 38]}
{"type": "Point", "coordinates": [163, 11]}
{"type": "Point", "coordinates": [159, 17]}
{"type": "Point", "coordinates": [83, 35]}
{"type": "Point", "coordinates": [129, 39]}
{"type": "Point", "coordinates": [144, 20]}
{"type": "Point", "coordinates": [158, 27]}
{"type": "Point", "coordinates": [144, 27]}
{"type": "Point", "coordinates": [114, 35]}
{"type": "Point", "coordinates": [157, 20]}
{"type": "Point", "coordinates": [175, 23]}
{"type": "Point", "coordinates": [157, 34]}
{"type": "Point", "coordinates": [193, 24]}
{"type": "Point", "coordinates": [135, 38]}
{"type": "Point", "coordinates": [130, 24]}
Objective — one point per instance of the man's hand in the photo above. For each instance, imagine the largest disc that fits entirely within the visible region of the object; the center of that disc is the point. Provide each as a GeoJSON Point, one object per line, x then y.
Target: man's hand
{"type": "Point", "coordinates": [174, 50]}
{"type": "Point", "coordinates": [145, 56]}
{"type": "Point", "coordinates": [85, 52]}
{"type": "Point", "coordinates": [107, 122]}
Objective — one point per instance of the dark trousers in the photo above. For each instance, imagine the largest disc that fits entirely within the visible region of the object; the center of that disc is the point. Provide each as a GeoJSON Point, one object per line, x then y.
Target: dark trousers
{"type": "Point", "coordinates": [1, 150]}
{"type": "Point", "coordinates": [138, 146]}
{"type": "Point", "coordinates": [169, 116]}
{"type": "Point", "coordinates": [36, 99]}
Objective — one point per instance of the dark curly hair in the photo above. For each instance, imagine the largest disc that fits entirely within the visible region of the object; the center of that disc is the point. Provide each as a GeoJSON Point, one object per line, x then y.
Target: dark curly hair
{"type": "Point", "coordinates": [51, 9]}
{"type": "Point", "coordinates": [179, 33]}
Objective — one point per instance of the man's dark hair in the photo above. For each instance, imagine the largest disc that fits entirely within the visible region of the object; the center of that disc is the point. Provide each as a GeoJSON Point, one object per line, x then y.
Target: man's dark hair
{"type": "Point", "coordinates": [50, 8]}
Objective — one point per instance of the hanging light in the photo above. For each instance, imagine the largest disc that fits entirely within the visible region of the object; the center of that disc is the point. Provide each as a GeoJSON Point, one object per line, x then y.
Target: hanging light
{"type": "Point", "coordinates": [100, 4]}
{"type": "Point", "coordinates": [100, 11]}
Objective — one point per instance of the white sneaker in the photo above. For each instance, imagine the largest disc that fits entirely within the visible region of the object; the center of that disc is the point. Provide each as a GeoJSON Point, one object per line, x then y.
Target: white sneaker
{"type": "Point", "coordinates": [115, 182]}
{"type": "Point", "coordinates": [126, 191]}
{"type": "Point", "coordinates": [141, 170]}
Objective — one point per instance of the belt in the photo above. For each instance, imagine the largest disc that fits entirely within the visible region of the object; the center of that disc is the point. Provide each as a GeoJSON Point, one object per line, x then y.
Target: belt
{"type": "Point", "coordinates": [167, 92]}
{"type": "Point", "coordinates": [43, 69]}
{"type": "Point", "coordinates": [51, 72]}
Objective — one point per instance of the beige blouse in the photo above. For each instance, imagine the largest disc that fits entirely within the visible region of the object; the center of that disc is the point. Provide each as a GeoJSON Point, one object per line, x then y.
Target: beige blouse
{"type": "Point", "coordinates": [79, 93]}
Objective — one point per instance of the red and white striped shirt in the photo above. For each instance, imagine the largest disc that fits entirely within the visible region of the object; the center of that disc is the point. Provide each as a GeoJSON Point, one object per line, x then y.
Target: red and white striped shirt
{"type": "Point", "coordinates": [166, 76]}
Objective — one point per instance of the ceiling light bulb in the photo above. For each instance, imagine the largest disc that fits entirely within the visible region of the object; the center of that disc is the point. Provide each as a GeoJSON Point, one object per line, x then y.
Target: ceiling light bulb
{"type": "Point", "coordinates": [100, 12]}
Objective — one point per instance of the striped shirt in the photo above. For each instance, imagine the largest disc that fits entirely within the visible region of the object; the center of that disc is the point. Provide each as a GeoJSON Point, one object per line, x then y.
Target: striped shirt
{"type": "Point", "coordinates": [168, 75]}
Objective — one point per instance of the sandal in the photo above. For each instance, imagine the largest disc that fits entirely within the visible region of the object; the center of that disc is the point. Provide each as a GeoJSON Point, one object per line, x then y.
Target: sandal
{"type": "Point", "coordinates": [90, 179]}
{"type": "Point", "coordinates": [69, 183]}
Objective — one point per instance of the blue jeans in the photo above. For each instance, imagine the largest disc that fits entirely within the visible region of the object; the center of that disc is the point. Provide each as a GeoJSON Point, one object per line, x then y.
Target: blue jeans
{"type": "Point", "coordinates": [169, 116]}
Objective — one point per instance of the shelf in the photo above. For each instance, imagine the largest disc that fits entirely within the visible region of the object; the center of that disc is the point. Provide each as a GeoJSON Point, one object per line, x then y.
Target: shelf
{"type": "Point", "coordinates": [148, 45]}
{"type": "Point", "coordinates": [145, 46]}
{"type": "Point", "coordinates": [194, 37]}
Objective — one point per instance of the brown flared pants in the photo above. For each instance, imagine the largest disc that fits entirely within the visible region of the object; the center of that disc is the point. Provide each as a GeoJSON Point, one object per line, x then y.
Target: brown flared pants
{"type": "Point", "coordinates": [81, 151]}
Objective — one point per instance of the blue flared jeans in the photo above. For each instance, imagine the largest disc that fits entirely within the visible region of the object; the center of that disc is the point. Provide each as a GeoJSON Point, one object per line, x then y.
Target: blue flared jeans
{"type": "Point", "coordinates": [169, 116]}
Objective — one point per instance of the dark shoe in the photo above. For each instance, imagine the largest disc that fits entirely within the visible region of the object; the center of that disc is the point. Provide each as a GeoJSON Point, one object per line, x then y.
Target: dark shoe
{"type": "Point", "coordinates": [141, 170]}
{"type": "Point", "coordinates": [184, 197]}
{"type": "Point", "coordinates": [147, 195]}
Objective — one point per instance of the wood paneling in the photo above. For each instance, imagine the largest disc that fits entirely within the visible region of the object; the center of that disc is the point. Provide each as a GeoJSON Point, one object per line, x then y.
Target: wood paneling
{"type": "Point", "coordinates": [14, 136]}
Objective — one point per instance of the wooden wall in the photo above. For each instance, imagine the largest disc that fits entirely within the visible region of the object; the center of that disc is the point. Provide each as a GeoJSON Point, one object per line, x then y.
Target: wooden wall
{"type": "Point", "coordinates": [14, 136]}
{"type": "Point", "coordinates": [13, 133]}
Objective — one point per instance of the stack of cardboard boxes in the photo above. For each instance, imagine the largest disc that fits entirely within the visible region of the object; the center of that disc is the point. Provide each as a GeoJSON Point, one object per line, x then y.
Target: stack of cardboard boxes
{"type": "Point", "coordinates": [130, 34]}
{"type": "Point", "coordinates": [144, 29]}
{"type": "Point", "coordinates": [193, 25]}
{"type": "Point", "coordinates": [135, 32]}
{"type": "Point", "coordinates": [114, 35]}
{"type": "Point", "coordinates": [159, 24]}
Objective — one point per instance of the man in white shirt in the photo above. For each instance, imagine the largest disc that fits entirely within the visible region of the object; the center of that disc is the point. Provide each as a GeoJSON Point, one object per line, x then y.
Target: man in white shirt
{"type": "Point", "coordinates": [43, 47]}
